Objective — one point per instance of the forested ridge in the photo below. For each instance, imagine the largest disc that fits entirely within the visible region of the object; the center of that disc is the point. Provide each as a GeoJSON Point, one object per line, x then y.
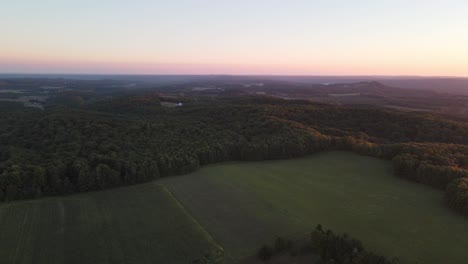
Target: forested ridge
{"type": "Point", "coordinates": [128, 140]}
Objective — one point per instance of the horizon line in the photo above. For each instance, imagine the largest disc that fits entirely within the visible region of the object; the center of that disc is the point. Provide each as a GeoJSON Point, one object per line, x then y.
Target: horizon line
{"type": "Point", "coordinates": [241, 75]}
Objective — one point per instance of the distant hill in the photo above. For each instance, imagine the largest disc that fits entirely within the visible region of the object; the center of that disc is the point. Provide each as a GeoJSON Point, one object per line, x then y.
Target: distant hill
{"type": "Point", "coordinates": [454, 85]}
{"type": "Point", "coordinates": [442, 85]}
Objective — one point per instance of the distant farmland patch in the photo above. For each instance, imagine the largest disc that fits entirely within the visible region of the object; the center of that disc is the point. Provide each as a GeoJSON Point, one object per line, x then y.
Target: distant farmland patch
{"type": "Point", "coordinates": [344, 94]}
{"type": "Point", "coordinates": [11, 91]}
{"type": "Point", "coordinates": [36, 101]}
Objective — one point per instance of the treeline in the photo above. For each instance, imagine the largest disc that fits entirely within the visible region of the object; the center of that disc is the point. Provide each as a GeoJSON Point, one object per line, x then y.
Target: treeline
{"type": "Point", "coordinates": [376, 125]}
{"type": "Point", "coordinates": [327, 246]}
{"type": "Point", "coordinates": [334, 248]}
{"type": "Point", "coordinates": [65, 151]}
{"type": "Point", "coordinates": [439, 165]}
{"type": "Point", "coordinates": [432, 164]}
{"type": "Point", "coordinates": [131, 140]}
{"type": "Point", "coordinates": [457, 195]}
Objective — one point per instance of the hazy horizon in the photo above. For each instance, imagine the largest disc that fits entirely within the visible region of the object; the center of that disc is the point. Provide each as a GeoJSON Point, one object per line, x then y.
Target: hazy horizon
{"type": "Point", "coordinates": [188, 37]}
{"type": "Point", "coordinates": [3, 74]}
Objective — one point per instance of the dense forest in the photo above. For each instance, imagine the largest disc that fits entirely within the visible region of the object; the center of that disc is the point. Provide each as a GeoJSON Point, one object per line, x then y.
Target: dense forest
{"type": "Point", "coordinates": [327, 246]}
{"type": "Point", "coordinates": [135, 139]}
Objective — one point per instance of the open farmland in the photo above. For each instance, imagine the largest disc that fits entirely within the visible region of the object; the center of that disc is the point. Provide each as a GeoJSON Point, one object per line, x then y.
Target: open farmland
{"type": "Point", "coordinates": [244, 205]}
{"type": "Point", "coordinates": [138, 224]}
{"type": "Point", "coordinates": [237, 206]}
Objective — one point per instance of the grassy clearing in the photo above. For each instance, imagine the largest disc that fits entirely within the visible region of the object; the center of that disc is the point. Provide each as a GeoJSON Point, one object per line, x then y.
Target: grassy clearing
{"type": "Point", "coordinates": [244, 204]}
{"type": "Point", "coordinates": [138, 224]}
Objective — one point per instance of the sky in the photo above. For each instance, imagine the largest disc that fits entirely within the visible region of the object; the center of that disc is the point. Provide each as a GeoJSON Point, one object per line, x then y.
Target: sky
{"type": "Point", "coordinates": [293, 37]}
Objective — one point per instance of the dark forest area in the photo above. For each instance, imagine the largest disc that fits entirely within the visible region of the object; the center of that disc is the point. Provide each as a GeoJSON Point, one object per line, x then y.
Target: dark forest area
{"type": "Point", "coordinates": [134, 139]}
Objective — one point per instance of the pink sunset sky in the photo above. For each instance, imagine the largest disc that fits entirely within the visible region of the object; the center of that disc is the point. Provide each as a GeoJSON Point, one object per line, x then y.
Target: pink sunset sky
{"type": "Point", "coordinates": [235, 37]}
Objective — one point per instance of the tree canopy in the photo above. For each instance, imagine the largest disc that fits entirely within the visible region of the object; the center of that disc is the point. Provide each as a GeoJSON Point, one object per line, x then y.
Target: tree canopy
{"type": "Point", "coordinates": [134, 139]}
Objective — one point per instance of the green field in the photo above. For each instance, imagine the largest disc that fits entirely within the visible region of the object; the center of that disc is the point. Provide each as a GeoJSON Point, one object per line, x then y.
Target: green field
{"type": "Point", "coordinates": [138, 224]}
{"type": "Point", "coordinates": [244, 204]}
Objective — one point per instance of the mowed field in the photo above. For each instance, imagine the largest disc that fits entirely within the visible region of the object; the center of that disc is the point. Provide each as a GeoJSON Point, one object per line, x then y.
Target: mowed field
{"type": "Point", "coordinates": [137, 224]}
{"type": "Point", "coordinates": [244, 205]}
